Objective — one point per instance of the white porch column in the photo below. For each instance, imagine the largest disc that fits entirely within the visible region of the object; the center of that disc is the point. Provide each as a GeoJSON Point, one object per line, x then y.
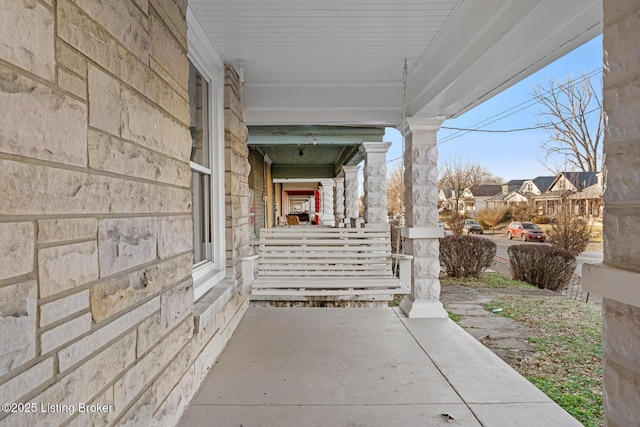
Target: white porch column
{"type": "Point", "coordinates": [326, 203]}
{"type": "Point", "coordinates": [375, 182]}
{"type": "Point", "coordinates": [617, 279]}
{"type": "Point", "coordinates": [421, 230]}
{"type": "Point", "coordinates": [351, 192]}
{"type": "Point", "coordinates": [339, 205]}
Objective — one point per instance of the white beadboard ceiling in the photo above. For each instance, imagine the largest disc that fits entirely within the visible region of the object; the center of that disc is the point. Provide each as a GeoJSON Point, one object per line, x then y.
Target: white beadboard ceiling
{"type": "Point", "coordinates": [341, 61]}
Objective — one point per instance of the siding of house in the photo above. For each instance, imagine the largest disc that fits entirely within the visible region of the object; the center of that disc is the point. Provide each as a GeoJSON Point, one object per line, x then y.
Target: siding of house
{"type": "Point", "coordinates": [95, 214]}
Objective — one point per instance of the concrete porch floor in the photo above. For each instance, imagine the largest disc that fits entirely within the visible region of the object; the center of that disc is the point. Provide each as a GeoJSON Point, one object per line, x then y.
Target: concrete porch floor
{"type": "Point", "coordinates": [363, 367]}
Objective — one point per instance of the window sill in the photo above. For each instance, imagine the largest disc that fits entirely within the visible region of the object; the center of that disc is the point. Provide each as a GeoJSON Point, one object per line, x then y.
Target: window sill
{"type": "Point", "coordinates": [212, 302]}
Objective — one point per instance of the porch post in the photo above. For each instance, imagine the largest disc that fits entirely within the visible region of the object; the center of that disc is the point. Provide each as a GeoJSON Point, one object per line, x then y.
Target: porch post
{"type": "Point", "coordinates": [375, 182]}
{"type": "Point", "coordinates": [351, 192]}
{"type": "Point", "coordinates": [421, 215]}
{"type": "Point", "coordinates": [339, 205]}
{"type": "Point", "coordinates": [617, 279]}
{"type": "Point", "coordinates": [326, 205]}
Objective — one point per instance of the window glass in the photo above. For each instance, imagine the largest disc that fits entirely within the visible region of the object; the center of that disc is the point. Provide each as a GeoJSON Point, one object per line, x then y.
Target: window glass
{"type": "Point", "coordinates": [199, 107]}
{"type": "Point", "coordinates": [200, 161]}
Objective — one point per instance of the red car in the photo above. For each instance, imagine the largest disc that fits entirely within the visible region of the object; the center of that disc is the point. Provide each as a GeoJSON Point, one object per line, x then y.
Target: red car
{"type": "Point", "coordinates": [525, 231]}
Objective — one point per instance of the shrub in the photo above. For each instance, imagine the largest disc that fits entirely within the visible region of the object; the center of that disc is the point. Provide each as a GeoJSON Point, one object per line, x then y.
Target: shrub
{"type": "Point", "coordinates": [455, 223]}
{"type": "Point", "coordinates": [569, 232]}
{"type": "Point", "coordinates": [466, 256]}
{"type": "Point", "coordinates": [484, 225]}
{"type": "Point", "coordinates": [546, 267]}
{"type": "Point", "coordinates": [490, 217]}
{"type": "Point", "coordinates": [541, 219]}
{"type": "Point", "coordinates": [524, 211]}
{"type": "Point", "coordinates": [507, 215]}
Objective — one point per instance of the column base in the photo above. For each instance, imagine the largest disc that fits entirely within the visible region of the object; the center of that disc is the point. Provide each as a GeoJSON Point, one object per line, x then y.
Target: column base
{"type": "Point", "coordinates": [423, 308]}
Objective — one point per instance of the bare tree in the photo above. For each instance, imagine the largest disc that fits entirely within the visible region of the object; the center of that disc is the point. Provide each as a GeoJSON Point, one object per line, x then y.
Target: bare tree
{"type": "Point", "coordinates": [456, 175]}
{"type": "Point", "coordinates": [572, 113]}
{"type": "Point", "coordinates": [395, 191]}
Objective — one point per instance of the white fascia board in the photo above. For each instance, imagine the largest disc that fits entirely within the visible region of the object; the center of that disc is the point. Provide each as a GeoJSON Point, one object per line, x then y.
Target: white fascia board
{"type": "Point", "coordinates": [201, 49]}
{"type": "Point", "coordinates": [338, 104]}
{"type": "Point", "coordinates": [501, 44]}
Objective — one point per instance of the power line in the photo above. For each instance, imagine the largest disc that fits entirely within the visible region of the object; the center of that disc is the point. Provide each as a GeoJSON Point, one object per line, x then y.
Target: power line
{"type": "Point", "coordinates": [547, 126]}
{"type": "Point", "coordinates": [510, 111]}
{"type": "Point", "coordinates": [497, 130]}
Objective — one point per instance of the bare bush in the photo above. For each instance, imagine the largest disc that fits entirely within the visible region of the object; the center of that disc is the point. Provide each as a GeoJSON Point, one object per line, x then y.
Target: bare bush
{"type": "Point", "coordinates": [456, 223]}
{"type": "Point", "coordinates": [491, 217]}
{"type": "Point", "coordinates": [546, 267]}
{"type": "Point", "coordinates": [541, 219]}
{"type": "Point", "coordinates": [466, 256]}
{"type": "Point", "coordinates": [524, 211]}
{"type": "Point", "coordinates": [569, 232]}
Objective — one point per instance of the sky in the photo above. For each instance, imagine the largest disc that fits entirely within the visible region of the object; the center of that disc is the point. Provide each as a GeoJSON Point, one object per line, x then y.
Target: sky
{"type": "Point", "coordinates": [515, 155]}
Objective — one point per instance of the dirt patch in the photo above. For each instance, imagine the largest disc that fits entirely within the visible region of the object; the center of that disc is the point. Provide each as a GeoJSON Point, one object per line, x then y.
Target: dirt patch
{"type": "Point", "coordinates": [505, 337]}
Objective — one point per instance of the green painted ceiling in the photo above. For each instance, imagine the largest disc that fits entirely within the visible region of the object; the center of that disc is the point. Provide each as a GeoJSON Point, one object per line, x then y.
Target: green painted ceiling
{"type": "Point", "coordinates": [311, 151]}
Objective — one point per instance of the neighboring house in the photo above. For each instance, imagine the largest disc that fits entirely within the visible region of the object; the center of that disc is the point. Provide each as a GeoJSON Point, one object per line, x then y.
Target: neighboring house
{"type": "Point", "coordinates": [444, 199]}
{"type": "Point", "coordinates": [513, 185]}
{"type": "Point", "coordinates": [573, 181]}
{"type": "Point", "coordinates": [536, 185]}
{"type": "Point", "coordinates": [508, 196]}
{"type": "Point", "coordinates": [572, 186]}
{"type": "Point", "coordinates": [474, 199]}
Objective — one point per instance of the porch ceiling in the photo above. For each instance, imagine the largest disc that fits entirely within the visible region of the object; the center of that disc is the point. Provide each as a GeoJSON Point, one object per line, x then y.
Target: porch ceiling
{"type": "Point", "coordinates": [311, 151]}
{"type": "Point", "coordinates": [341, 61]}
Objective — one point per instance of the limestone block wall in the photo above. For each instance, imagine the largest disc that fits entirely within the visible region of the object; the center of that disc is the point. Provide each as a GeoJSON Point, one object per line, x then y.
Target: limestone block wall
{"type": "Point", "coordinates": [622, 206]}
{"type": "Point", "coordinates": [236, 176]}
{"type": "Point", "coordinates": [257, 184]}
{"type": "Point", "coordinates": [95, 214]}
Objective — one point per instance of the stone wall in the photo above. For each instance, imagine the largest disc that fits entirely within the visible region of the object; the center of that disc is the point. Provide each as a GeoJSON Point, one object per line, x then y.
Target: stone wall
{"type": "Point", "coordinates": [622, 206]}
{"type": "Point", "coordinates": [257, 184]}
{"type": "Point", "coordinates": [95, 214]}
{"type": "Point", "coordinates": [236, 174]}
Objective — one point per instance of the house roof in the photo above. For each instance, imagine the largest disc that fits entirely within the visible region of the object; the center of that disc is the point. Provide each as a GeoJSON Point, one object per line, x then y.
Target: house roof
{"type": "Point", "coordinates": [582, 180]}
{"type": "Point", "coordinates": [591, 192]}
{"type": "Point", "coordinates": [515, 196]}
{"type": "Point", "coordinates": [543, 182]}
{"type": "Point", "coordinates": [496, 198]}
{"type": "Point", "coordinates": [485, 190]}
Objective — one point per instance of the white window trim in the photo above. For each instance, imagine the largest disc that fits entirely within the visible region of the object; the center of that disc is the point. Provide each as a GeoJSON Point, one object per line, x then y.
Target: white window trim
{"type": "Point", "coordinates": [204, 57]}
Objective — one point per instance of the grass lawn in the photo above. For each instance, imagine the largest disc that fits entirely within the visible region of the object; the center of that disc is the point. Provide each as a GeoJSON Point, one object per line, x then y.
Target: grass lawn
{"type": "Point", "coordinates": [567, 361]}
{"type": "Point", "coordinates": [487, 280]}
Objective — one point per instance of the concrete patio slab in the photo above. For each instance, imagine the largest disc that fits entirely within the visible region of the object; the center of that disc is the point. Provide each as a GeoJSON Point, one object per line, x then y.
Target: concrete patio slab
{"type": "Point", "coordinates": [332, 416]}
{"type": "Point", "coordinates": [523, 415]}
{"type": "Point", "coordinates": [361, 367]}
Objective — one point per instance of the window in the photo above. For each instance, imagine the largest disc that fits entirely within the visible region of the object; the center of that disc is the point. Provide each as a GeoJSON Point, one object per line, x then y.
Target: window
{"type": "Point", "coordinates": [200, 166]}
{"type": "Point", "coordinates": [206, 178]}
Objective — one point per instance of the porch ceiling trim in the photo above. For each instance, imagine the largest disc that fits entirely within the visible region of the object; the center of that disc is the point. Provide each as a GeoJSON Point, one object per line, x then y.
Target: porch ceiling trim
{"type": "Point", "coordinates": [341, 61]}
